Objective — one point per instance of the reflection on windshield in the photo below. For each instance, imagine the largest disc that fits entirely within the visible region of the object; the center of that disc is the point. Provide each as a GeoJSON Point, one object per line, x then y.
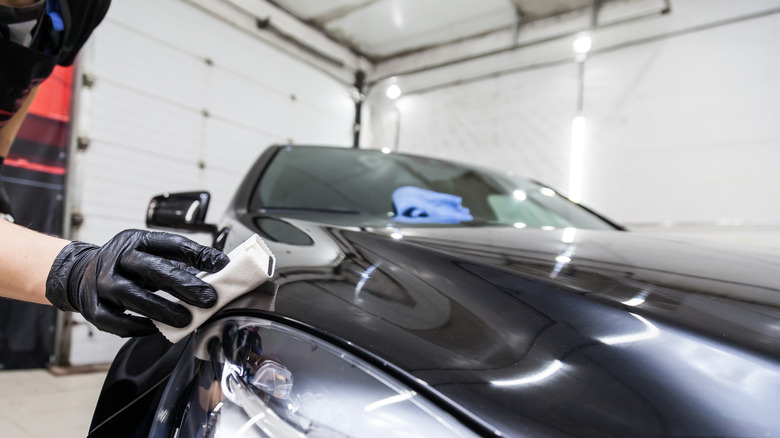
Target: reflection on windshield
{"type": "Point", "coordinates": [321, 181]}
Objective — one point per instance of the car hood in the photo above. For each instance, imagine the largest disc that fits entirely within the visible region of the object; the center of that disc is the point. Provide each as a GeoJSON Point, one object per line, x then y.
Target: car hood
{"type": "Point", "coordinates": [559, 332]}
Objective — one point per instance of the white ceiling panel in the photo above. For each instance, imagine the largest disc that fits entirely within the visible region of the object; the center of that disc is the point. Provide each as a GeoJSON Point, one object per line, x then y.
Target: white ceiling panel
{"type": "Point", "coordinates": [383, 29]}
{"type": "Point", "coordinates": [318, 10]}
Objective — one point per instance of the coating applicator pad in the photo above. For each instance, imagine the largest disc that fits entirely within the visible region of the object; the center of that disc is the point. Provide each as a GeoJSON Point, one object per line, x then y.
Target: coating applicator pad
{"type": "Point", "coordinates": [251, 264]}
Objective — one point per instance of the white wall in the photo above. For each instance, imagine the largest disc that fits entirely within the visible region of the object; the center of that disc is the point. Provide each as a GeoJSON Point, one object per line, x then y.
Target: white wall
{"type": "Point", "coordinates": [145, 118]}
{"type": "Point", "coordinates": [145, 113]}
{"type": "Point", "coordinates": [684, 129]}
{"type": "Point", "coordinates": [514, 122]}
{"type": "Point", "coordinates": [680, 119]}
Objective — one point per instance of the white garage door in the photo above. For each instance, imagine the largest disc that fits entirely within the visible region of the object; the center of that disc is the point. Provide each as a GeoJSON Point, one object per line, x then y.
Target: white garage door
{"type": "Point", "coordinates": [183, 101]}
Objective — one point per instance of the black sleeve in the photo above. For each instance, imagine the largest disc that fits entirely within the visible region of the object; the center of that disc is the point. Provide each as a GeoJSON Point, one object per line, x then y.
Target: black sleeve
{"type": "Point", "coordinates": [81, 17]}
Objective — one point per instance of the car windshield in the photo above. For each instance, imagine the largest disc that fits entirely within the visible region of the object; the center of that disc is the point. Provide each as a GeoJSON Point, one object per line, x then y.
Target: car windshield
{"type": "Point", "coordinates": [410, 190]}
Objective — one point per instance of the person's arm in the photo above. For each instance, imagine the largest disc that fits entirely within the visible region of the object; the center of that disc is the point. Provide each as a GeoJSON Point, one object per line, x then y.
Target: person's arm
{"type": "Point", "coordinates": [7, 135]}
{"type": "Point", "coordinates": [9, 131]}
{"type": "Point", "coordinates": [25, 260]}
{"type": "Point", "coordinates": [104, 283]}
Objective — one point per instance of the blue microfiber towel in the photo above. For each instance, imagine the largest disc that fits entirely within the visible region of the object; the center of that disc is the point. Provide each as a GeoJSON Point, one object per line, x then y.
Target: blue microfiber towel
{"type": "Point", "coordinates": [416, 205]}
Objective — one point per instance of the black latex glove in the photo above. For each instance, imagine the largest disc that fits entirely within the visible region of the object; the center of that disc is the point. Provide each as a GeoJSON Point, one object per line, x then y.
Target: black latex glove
{"type": "Point", "coordinates": [102, 282]}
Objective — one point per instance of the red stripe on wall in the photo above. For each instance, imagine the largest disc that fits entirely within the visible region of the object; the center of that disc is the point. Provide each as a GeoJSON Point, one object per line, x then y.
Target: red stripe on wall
{"type": "Point", "coordinates": [53, 99]}
{"type": "Point", "coordinates": [27, 164]}
{"type": "Point", "coordinates": [45, 131]}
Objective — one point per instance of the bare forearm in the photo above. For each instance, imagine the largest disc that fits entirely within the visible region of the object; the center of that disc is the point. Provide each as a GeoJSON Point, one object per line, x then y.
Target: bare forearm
{"type": "Point", "coordinates": [9, 131]}
{"type": "Point", "coordinates": [25, 260]}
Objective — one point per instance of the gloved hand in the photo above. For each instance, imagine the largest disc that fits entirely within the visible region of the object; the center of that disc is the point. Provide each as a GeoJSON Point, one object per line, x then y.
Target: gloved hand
{"type": "Point", "coordinates": [102, 282]}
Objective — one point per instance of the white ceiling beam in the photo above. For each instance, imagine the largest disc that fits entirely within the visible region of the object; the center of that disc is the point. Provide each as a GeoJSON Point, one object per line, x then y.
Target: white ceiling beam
{"type": "Point", "coordinates": [539, 43]}
{"type": "Point", "coordinates": [549, 42]}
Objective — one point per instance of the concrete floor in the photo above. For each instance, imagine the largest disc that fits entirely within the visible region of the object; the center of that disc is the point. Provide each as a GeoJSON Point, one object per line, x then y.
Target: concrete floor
{"type": "Point", "coordinates": [37, 404]}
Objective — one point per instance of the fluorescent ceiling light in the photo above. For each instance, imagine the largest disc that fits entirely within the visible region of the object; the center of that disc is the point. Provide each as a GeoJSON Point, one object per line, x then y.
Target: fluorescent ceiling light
{"type": "Point", "coordinates": [582, 44]}
{"type": "Point", "coordinates": [393, 92]}
{"type": "Point", "coordinates": [577, 158]}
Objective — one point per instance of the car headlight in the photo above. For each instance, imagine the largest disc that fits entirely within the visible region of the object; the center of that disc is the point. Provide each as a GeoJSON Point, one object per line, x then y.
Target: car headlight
{"type": "Point", "coordinates": [251, 377]}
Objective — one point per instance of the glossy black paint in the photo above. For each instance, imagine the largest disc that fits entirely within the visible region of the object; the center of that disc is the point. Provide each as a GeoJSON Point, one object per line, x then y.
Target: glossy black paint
{"type": "Point", "coordinates": [184, 211]}
{"type": "Point", "coordinates": [133, 386]}
{"type": "Point", "coordinates": [466, 308]}
{"type": "Point", "coordinates": [530, 332]}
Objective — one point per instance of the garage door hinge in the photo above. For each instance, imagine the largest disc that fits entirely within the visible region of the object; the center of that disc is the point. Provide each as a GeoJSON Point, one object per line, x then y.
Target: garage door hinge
{"type": "Point", "coordinates": [82, 143]}
{"type": "Point", "coordinates": [88, 80]}
{"type": "Point", "coordinates": [76, 219]}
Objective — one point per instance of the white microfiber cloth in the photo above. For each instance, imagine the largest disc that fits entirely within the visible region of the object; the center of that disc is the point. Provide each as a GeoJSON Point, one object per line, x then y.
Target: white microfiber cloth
{"type": "Point", "coordinates": [251, 264]}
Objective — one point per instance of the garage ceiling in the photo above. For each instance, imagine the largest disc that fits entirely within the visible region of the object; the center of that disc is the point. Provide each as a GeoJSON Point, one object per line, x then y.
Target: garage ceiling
{"type": "Point", "coordinates": [382, 29]}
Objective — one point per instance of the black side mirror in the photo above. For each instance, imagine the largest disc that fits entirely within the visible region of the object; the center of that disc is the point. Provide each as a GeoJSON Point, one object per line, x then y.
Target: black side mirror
{"type": "Point", "coordinates": [180, 211]}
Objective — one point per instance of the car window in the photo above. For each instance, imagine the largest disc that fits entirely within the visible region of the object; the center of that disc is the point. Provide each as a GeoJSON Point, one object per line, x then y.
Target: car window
{"type": "Point", "coordinates": [356, 181]}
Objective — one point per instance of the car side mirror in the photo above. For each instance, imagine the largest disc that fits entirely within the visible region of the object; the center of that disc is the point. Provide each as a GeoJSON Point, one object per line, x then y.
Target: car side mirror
{"type": "Point", "coordinates": [180, 211]}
